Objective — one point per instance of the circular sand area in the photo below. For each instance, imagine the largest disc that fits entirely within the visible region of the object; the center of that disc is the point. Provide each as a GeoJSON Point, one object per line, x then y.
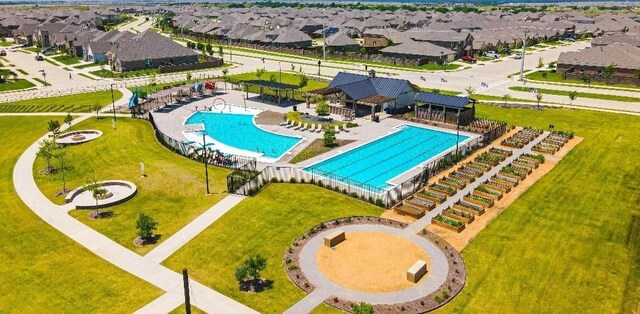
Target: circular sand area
{"type": "Point", "coordinates": [371, 261]}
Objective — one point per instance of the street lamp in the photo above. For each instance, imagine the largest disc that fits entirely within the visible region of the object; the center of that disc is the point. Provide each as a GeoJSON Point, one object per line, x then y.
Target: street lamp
{"type": "Point", "coordinates": [442, 59]}
{"type": "Point", "coordinates": [113, 106]}
{"type": "Point", "coordinates": [524, 46]}
{"type": "Point", "coordinates": [319, 63]}
{"type": "Point", "coordinates": [44, 76]}
{"type": "Point", "coordinates": [457, 131]}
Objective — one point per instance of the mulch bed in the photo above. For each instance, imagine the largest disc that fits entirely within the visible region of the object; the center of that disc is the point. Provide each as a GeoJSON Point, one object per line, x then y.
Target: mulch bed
{"type": "Point", "coordinates": [269, 118]}
{"type": "Point", "coordinates": [453, 285]}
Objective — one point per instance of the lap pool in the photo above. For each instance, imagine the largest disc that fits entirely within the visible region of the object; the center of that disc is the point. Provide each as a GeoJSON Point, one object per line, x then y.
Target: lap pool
{"type": "Point", "coordinates": [377, 162]}
{"type": "Point", "coordinates": [236, 133]}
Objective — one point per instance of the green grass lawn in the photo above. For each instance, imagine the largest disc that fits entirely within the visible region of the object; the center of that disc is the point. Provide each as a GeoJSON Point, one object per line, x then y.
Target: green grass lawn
{"type": "Point", "coordinates": [43, 270]}
{"type": "Point", "coordinates": [67, 59]}
{"type": "Point", "coordinates": [23, 72]}
{"type": "Point", "coordinates": [86, 65]}
{"type": "Point", "coordinates": [33, 49]}
{"type": "Point", "coordinates": [316, 148]}
{"type": "Point", "coordinates": [109, 74]}
{"type": "Point", "coordinates": [553, 77]}
{"type": "Point", "coordinates": [70, 103]}
{"type": "Point", "coordinates": [173, 192]}
{"type": "Point", "coordinates": [571, 242]}
{"type": "Point", "coordinates": [265, 224]}
{"type": "Point", "coordinates": [15, 85]}
{"type": "Point", "coordinates": [580, 94]}
{"type": "Point", "coordinates": [41, 81]}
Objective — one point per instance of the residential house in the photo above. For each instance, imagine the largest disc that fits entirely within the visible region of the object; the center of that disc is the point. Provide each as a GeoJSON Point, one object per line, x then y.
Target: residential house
{"type": "Point", "coordinates": [595, 62]}
{"type": "Point", "coordinates": [148, 50]}
{"type": "Point", "coordinates": [425, 52]}
{"type": "Point", "coordinates": [341, 42]}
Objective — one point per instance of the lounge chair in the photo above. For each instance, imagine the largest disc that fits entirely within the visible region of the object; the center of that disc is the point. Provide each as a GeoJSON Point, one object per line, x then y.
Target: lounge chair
{"type": "Point", "coordinates": [290, 124]}
{"type": "Point", "coordinates": [298, 126]}
{"type": "Point", "coordinates": [319, 129]}
{"type": "Point", "coordinates": [337, 129]}
{"type": "Point", "coordinates": [305, 127]}
{"type": "Point", "coordinates": [284, 123]}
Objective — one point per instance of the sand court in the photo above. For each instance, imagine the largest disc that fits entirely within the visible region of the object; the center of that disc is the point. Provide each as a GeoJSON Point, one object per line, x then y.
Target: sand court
{"type": "Point", "coordinates": [371, 261]}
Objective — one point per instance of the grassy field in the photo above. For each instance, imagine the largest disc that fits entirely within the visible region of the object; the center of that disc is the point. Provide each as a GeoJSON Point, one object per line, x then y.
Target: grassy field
{"type": "Point", "coordinates": [265, 224]}
{"type": "Point", "coordinates": [15, 85]}
{"type": "Point", "coordinates": [287, 78]}
{"type": "Point", "coordinates": [571, 243]}
{"type": "Point", "coordinates": [580, 94]}
{"type": "Point", "coordinates": [42, 270]}
{"type": "Point", "coordinates": [173, 192]}
{"type": "Point", "coordinates": [72, 103]}
{"type": "Point", "coordinates": [316, 148]}
{"type": "Point", "coordinates": [67, 59]}
{"type": "Point", "coordinates": [553, 77]}
{"type": "Point", "coordinates": [109, 74]}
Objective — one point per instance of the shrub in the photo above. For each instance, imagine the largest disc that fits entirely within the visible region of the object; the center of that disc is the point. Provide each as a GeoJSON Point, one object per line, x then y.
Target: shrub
{"type": "Point", "coordinates": [145, 225]}
{"type": "Point", "coordinates": [362, 308]}
{"type": "Point", "coordinates": [370, 199]}
{"type": "Point", "coordinates": [354, 194]}
{"type": "Point", "coordinates": [251, 268]}
{"type": "Point", "coordinates": [344, 191]}
{"type": "Point", "coordinates": [320, 184]}
{"type": "Point", "coordinates": [379, 202]}
{"type": "Point", "coordinates": [274, 180]}
{"type": "Point", "coordinates": [293, 180]}
{"type": "Point", "coordinates": [302, 181]}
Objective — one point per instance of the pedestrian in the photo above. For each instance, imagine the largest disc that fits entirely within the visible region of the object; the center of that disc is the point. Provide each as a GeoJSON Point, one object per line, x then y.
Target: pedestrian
{"type": "Point", "coordinates": [70, 76]}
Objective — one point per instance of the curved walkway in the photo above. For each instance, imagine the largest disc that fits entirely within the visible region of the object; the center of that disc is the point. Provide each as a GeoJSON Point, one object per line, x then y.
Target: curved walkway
{"type": "Point", "coordinates": [204, 298]}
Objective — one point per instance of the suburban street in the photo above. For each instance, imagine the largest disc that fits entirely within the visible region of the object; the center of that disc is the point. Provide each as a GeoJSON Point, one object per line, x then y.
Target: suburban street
{"type": "Point", "coordinates": [494, 74]}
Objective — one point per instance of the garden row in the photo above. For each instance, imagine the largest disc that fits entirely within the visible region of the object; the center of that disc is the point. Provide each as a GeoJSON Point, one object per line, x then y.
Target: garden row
{"type": "Point", "coordinates": [474, 204]}
{"type": "Point", "coordinates": [522, 138]}
{"type": "Point", "coordinates": [435, 194]}
{"type": "Point", "coordinates": [552, 143]}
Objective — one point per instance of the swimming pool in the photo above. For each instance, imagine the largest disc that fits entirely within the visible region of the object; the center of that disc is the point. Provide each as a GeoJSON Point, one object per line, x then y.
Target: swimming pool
{"type": "Point", "coordinates": [238, 131]}
{"type": "Point", "coordinates": [377, 162]}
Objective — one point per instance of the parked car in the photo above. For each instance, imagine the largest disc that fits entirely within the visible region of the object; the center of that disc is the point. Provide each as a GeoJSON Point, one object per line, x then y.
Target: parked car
{"type": "Point", "coordinates": [13, 49]}
{"type": "Point", "coordinates": [39, 57]}
{"type": "Point", "coordinates": [468, 58]}
{"type": "Point", "coordinates": [492, 54]}
{"type": "Point", "coordinates": [518, 55]}
{"type": "Point", "coordinates": [3, 52]}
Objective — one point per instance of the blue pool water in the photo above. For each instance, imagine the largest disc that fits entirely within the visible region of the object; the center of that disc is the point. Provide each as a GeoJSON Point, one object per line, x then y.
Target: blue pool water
{"type": "Point", "coordinates": [375, 163]}
{"type": "Point", "coordinates": [238, 131]}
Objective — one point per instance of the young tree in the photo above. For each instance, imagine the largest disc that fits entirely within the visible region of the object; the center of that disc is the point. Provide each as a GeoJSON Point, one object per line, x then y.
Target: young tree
{"type": "Point", "coordinates": [362, 308]}
{"type": "Point", "coordinates": [146, 226]}
{"type": "Point", "coordinates": [53, 126]}
{"type": "Point", "coordinates": [293, 67]}
{"type": "Point", "coordinates": [572, 96]}
{"type": "Point", "coordinates": [46, 152]}
{"type": "Point", "coordinates": [189, 76]}
{"type": "Point", "coordinates": [322, 107]}
{"type": "Point", "coordinates": [303, 81]}
{"type": "Point", "coordinates": [505, 97]}
{"type": "Point", "coordinates": [225, 71]}
{"type": "Point", "coordinates": [259, 72]}
{"type": "Point", "coordinates": [209, 49]}
{"type": "Point", "coordinates": [273, 78]}
{"type": "Point", "coordinates": [200, 46]}
{"type": "Point", "coordinates": [544, 74]}
{"type": "Point", "coordinates": [540, 62]}
{"type": "Point", "coordinates": [220, 51]}
{"type": "Point", "coordinates": [97, 108]}
{"type": "Point", "coordinates": [68, 119]}
{"type": "Point", "coordinates": [609, 70]}
{"type": "Point", "coordinates": [61, 155]}
{"type": "Point", "coordinates": [250, 269]}
{"type": "Point", "coordinates": [329, 137]}
{"type": "Point", "coordinates": [539, 98]}
{"type": "Point", "coordinates": [97, 192]}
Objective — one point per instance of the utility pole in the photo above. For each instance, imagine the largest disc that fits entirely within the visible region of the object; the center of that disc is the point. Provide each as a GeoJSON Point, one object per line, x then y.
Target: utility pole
{"type": "Point", "coordinates": [187, 300]}
{"type": "Point", "coordinates": [524, 46]}
{"type": "Point", "coordinates": [204, 158]}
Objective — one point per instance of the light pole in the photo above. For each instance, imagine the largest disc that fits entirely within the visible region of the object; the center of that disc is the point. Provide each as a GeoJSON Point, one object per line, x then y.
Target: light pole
{"type": "Point", "coordinates": [205, 157]}
{"type": "Point", "coordinates": [44, 76]}
{"type": "Point", "coordinates": [324, 44]}
{"type": "Point", "coordinates": [524, 46]}
{"type": "Point", "coordinates": [442, 59]}
{"type": "Point", "coordinates": [319, 63]}
{"type": "Point", "coordinates": [113, 106]}
{"type": "Point", "coordinates": [457, 131]}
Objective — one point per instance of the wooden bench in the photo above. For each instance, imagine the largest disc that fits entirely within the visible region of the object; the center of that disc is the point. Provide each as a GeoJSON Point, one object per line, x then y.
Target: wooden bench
{"type": "Point", "coordinates": [417, 271]}
{"type": "Point", "coordinates": [335, 238]}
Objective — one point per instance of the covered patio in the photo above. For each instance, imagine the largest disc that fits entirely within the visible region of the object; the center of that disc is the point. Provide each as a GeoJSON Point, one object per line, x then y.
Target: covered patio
{"type": "Point", "coordinates": [275, 86]}
{"type": "Point", "coordinates": [348, 105]}
{"type": "Point", "coordinates": [445, 109]}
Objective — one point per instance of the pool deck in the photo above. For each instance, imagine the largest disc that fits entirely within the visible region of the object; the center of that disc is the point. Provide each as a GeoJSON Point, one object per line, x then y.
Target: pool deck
{"type": "Point", "coordinates": [172, 124]}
